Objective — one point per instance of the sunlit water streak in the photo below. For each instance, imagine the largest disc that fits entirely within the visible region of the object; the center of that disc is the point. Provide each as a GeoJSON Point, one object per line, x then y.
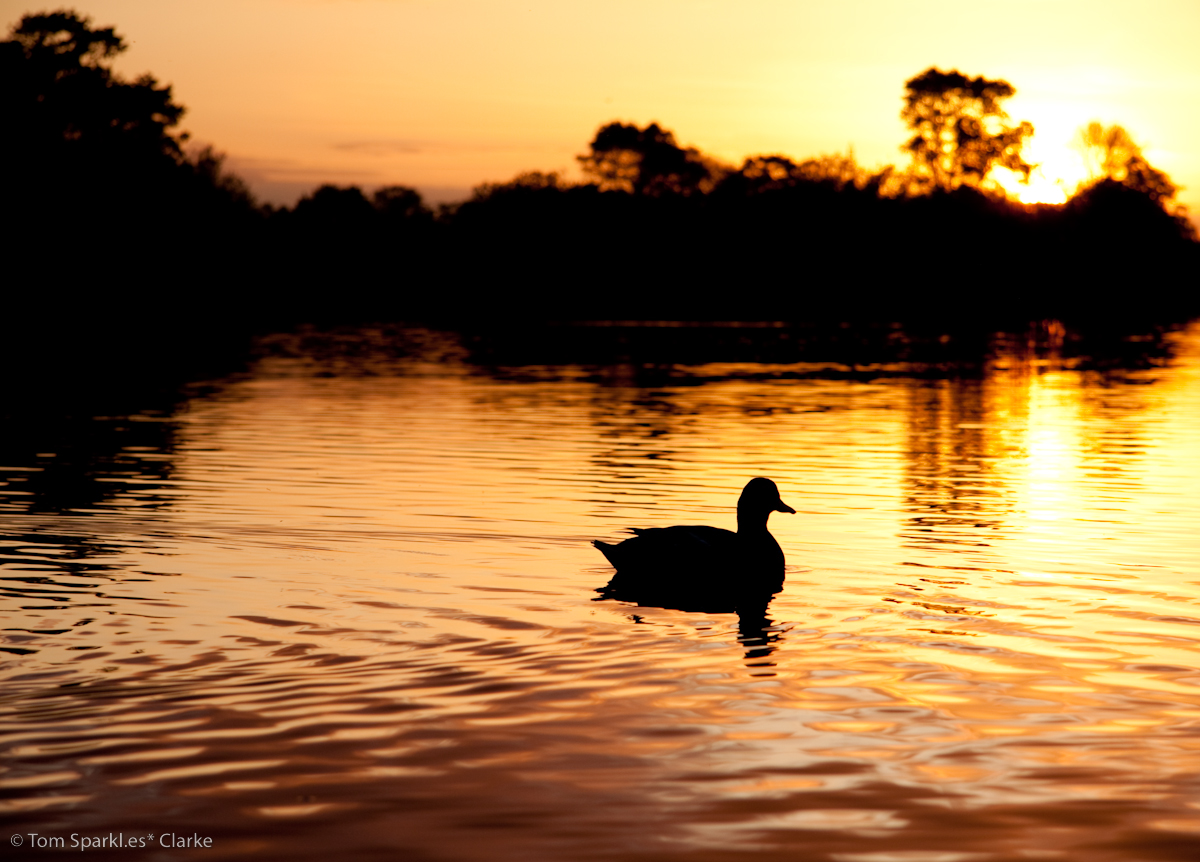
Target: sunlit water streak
{"type": "Point", "coordinates": [349, 611]}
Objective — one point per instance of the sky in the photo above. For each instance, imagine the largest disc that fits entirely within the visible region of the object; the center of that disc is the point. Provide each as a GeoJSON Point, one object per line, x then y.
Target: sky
{"type": "Point", "coordinates": [444, 95]}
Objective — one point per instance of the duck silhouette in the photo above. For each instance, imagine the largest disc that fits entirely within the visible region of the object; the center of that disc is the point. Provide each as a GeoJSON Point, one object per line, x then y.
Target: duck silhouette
{"type": "Point", "coordinates": [703, 568]}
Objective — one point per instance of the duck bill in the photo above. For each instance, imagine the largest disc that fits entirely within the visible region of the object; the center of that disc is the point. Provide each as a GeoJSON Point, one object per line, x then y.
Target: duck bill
{"type": "Point", "coordinates": [784, 507]}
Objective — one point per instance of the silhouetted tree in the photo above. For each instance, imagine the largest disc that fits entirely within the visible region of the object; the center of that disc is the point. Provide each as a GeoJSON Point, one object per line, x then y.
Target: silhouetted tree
{"type": "Point", "coordinates": [337, 209]}
{"type": "Point", "coordinates": [63, 101]}
{"type": "Point", "coordinates": [647, 161]}
{"type": "Point", "coordinates": [340, 255]}
{"type": "Point", "coordinates": [103, 209]}
{"type": "Point", "coordinates": [347, 208]}
{"type": "Point", "coordinates": [522, 184]}
{"type": "Point", "coordinates": [92, 161]}
{"type": "Point", "coordinates": [960, 130]}
{"type": "Point", "coordinates": [766, 174]}
{"type": "Point", "coordinates": [1113, 158]}
{"type": "Point", "coordinates": [1110, 153]}
{"type": "Point", "coordinates": [401, 205]}
{"type": "Point", "coordinates": [216, 190]}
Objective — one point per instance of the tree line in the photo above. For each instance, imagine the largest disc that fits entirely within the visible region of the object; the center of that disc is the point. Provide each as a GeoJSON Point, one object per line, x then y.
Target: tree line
{"type": "Point", "coordinates": [112, 207]}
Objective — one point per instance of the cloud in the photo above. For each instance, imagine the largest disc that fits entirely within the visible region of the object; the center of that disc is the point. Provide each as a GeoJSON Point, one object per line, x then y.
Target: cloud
{"type": "Point", "coordinates": [407, 147]}
{"type": "Point", "coordinates": [382, 148]}
{"type": "Point", "coordinates": [287, 170]}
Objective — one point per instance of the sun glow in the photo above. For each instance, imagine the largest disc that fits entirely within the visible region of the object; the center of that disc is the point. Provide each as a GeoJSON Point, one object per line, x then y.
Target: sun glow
{"type": "Point", "coordinates": [1039, 189]}
{"type": "Point", "coordinates": [443, 96]}
{"type": "Point", "coordinates": [1059, 172]}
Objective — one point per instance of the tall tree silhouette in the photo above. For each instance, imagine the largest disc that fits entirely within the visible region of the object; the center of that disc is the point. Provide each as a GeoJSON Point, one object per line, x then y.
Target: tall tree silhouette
{"type": "Point", "coordinates": [69, 115]}
{"type": "Point", "coordinates": [960, 130]}
{"type": "Point", "coordinates": [1111, 153]}
{"type": "Point", "coordinates": [92, 159]}
{"type": "Point", "coordinates": [647, 162]}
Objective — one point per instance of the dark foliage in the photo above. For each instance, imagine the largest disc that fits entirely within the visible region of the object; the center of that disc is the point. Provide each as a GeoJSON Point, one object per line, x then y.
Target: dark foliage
{"type": "Point", "coordinates": [647, 161]}
{"type": "Point", "coordinates": [960, 130]}
{"type": "Point", "coordinates": [341, 256]}
{"type": "Point", "coordinates": [778, 240]}
{"type": "Point", "coordinates": [93, 175]}
{"type": "Point", "coordinates": [117, 223]}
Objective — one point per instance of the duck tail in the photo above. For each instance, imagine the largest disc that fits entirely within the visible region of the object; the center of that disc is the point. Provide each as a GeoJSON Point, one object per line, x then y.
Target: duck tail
{"type": "Point", "coordinates": [606, 549]}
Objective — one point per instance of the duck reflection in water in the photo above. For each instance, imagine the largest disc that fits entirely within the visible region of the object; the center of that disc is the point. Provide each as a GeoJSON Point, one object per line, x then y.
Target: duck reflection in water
{"type": "Point", "coordinates": [707, 569]}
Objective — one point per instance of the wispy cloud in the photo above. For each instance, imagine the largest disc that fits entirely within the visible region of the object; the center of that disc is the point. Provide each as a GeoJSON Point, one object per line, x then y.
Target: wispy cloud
{"type": "Point", "coordinates": [383, 147]}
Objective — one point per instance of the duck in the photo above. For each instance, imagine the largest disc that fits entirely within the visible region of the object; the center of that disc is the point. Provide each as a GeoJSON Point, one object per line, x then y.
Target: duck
{"type": "Point", "coordinates": [702, 565]}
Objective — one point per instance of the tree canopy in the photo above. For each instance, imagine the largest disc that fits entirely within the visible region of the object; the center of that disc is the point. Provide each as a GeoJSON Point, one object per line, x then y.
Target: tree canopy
{"type": "Point", "coordinates": [64, 103]}
{"type": "Point", "coordinates": [94, 162]}
{"type": "Point", "coordinates": [647, 162]}
{"type": "Point", "coordinates": [1111, 153]}
{"type": "Point", "coordinates": [960, 132]}
{"type": "Point", "coordinates": [100, 175]}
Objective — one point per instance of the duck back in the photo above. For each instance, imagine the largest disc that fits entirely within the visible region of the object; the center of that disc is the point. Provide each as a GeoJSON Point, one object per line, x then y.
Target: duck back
{"type": "Point", "coordinates": [692, 567]}
{"type": "Point", "coordinates": [682, 547]}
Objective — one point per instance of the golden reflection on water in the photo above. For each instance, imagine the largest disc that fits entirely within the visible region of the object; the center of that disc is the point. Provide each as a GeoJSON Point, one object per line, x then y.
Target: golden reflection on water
{"type": "Point", "coordinates": [360, 604]}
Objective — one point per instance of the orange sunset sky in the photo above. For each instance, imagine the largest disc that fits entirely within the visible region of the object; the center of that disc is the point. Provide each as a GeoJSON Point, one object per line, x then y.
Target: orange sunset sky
{"type": "Point", "coordinates": [445, 94]}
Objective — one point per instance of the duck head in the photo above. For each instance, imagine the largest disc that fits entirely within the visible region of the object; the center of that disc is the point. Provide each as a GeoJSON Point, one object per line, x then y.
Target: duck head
{"type": "Point", "coordinates": [759, 499]}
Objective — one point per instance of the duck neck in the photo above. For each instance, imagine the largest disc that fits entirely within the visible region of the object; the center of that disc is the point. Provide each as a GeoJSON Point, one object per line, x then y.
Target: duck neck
{"type": "Point", "coordinates": [751, 521]}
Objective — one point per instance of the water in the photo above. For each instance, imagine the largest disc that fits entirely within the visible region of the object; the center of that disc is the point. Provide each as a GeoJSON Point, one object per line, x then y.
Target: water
{"type": "Point", "coordinates": [342, 606]}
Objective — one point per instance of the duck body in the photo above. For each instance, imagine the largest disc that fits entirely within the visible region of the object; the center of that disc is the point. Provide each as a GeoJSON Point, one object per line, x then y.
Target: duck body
{"type": "Point", "coordinates": [700, 567]}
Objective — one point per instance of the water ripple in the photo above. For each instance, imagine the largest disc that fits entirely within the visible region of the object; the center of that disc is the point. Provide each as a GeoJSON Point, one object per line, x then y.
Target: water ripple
{"type": "Point", "coordinates": [356, 616]}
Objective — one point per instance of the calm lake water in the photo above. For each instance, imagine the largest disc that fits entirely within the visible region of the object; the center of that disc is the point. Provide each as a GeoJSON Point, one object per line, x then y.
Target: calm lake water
{"type": "Point", "coordinates": [342, 605]}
